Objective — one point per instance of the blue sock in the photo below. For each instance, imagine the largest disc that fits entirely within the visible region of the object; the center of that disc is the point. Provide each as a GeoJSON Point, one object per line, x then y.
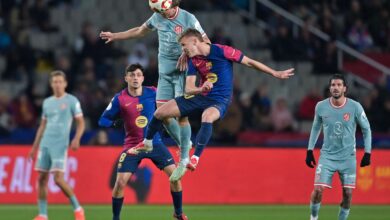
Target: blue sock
{"type": "Point", "coordinates": [203, 137]}
{"type": "Point", "coordinates": [154, 126]}
{"type": "Point", "coordinates": [343, 214]}
{"type": "Point", "coordinates": [177, 202]}
{"type": "Point", "coordinates": [74, 202]}
{"type": "Point", "coordinates": [314, 209]}
{"type": "Point", "coordinates": [42, 206]}
{"type": "Point", "coordinates": [185, 139]}
{"type": "Point", "coordinates": [116, 207]}
{"type": "Point", "coordinates": [173, 130]}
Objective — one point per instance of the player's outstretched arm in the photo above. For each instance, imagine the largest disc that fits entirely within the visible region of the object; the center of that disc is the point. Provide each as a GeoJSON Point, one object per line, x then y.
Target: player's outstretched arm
{"type": "Point", "coordinates": [136, 32]}
{"type": "Point", "coordinates": [285, 74]}
{"type": "Point", "coordinates": [37, 139]}
{"type": "Point", "coordinates": [80, 127]}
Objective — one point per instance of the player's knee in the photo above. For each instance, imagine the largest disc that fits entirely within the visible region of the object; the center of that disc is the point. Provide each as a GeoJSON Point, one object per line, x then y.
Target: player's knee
{"type": "Point", "coordinates": [42, 180]}
{"type": "Point", "coordinates": [58, 179]}
{"type": "Point", "coordinates": [318, 190]}
{"type": "Point", "coordinates": [120, 184]}
{"type": "Point", "coordinates": [176, 186]}
{"type": "Point", "coordinates": [159, 114]}
{"type": "Point", "coordinates": [347, 194]}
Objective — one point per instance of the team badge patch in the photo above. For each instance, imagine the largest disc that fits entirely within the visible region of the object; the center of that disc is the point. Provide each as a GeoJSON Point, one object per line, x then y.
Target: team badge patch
{"type": "Point", "coordinates": [212, 77]}
{"type": "Point", "coordinates": [346, 116]}
{"type": "Point", "coordinates": [140, 107]}
{"type": "Point", "coordinates": [178, 29]}
{"type": "Point", "coordinates": [209, 65]}
{"type": "Point", "coordinates": [141, 121]}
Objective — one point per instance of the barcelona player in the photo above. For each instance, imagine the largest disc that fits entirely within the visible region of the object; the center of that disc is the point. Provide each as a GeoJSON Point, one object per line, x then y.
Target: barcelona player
{"type": "Point", "coordinates": [134, 106]}
{"type": "Point", "coordinates": [214, 63]}
{"type": "Point", "coordinates": [338, 117]}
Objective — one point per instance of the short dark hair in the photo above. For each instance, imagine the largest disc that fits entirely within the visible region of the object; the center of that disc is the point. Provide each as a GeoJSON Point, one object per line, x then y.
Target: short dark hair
{"type": "Point", "coordinates": [338, 76]}
{"type": "Point", "coordinates": [133, 67]}
{"type": "Point", "coordinates": [57, 73]}
{"type": "Point", "coordinates": [190, 32]}
{"type": "Point", "coordinates": [175, 3]}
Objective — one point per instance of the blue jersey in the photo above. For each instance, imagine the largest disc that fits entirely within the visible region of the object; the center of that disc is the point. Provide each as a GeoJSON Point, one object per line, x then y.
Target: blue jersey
{"type": "Point", "coordinates": [136, 112]}
{"type": "Point", "coordinates": [216, 68]}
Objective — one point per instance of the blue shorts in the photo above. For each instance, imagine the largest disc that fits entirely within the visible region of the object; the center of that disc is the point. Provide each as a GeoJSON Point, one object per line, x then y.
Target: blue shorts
{"type": "Point", "coordinates": [189, 105]}
{"type": "Point", "coordinates": [160, 156]}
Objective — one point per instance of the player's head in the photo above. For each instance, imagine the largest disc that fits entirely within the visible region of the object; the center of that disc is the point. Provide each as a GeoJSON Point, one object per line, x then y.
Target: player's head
{"type": "Point", "coordinates": [58, 82]}
{"type": "Point", "coordinates": [337, 86]}
{"type": "Point", "coordinates": [189, 41]}
{"type": "Point", "coordinates": [172, 10]}
{"type": "Point", "coordinates": [134, 75]}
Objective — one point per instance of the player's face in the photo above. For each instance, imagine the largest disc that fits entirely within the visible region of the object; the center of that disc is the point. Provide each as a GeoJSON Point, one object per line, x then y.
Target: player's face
{"type": "Point", "coordinates": [135, 79]}
{"type": "Point", "coordinates": [337, 88]}
{"type": "Point", "coordinates": [58, 84]}
{"type": "Point", "coordinates": [169, 12]}
{"type": "Point", "coordinates": [188, 45]}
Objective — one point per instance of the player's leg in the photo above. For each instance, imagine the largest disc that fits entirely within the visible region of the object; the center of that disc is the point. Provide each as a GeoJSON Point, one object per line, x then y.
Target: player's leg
{"type": "Point", "coordinates": [163, 159]}
{"type": "Point", "coordinates": [58, 155]}
{"type": "Point", "coordinates": [209, 116]}
{"type": "Point", "coordinates": [166, 92]}
{"type": "Point", "coordinates": [168, 110]}
{"type": "Point", "coordinates": [127, 165]}
{"type": "Point", "coordinates": [42, 165]}
{"type": "Point", "coordinates": [347, 175]}
{"type": "Point", "coordinates": [323, 179]}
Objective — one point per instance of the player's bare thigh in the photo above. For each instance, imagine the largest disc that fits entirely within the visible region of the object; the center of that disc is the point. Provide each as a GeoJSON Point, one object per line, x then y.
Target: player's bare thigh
{"type": "Point", "coordinates": [167, 110]}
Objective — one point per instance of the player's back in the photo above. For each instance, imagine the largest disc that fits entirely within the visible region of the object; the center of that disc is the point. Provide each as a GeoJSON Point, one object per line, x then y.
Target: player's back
{"type": "Point", "coordinates": [136, 112]}
{"type": "Point", "coordinates": [59, 113]}
{"type": "Point", "coordinates": [339, 125]}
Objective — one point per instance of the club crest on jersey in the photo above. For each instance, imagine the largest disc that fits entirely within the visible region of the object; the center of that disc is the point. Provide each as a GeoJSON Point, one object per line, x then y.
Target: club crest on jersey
{"type": "Point", "coordinates": [209, 65]}
{"type": "Point", "coordinates": [178, 29]}
{"type": "Point", "coordinates": [140, 107]}
{"type": "Point", "coordinates": [141, 121]}
{"type": "Point", "coordinates": [212, 77]}
{"type": "Point", "coordinates": [346, 116]}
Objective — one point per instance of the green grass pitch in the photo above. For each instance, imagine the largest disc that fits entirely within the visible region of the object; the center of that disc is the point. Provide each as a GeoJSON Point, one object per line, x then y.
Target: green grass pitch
{"type": "Point", "coordinates": [199, 212]}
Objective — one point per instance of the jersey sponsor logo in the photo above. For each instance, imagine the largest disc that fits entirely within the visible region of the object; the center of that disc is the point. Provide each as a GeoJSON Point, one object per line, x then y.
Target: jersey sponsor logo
{"type": "Point", "coordinates": [141, 121]}
{"type": "Point", "coordinates": [346, 116]}
{"type": "Point", "coordinates": [212, 77]}
{"type": "Point", "coordinates": [338, 128]}
{"type": "Point", "coordinates": [178, 29]}
{"type": "Point", "coordinates": [140, 107]}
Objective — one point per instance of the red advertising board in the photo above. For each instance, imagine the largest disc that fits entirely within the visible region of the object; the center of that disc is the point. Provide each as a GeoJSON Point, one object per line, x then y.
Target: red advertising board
{"type": "Point", "coordinates": [233, 175]}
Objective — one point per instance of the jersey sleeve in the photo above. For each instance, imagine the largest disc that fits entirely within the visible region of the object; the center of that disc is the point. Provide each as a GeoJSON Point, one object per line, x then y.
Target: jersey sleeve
{"type": "Point", "coordinates": [44, 113]}
{"type": "Point", "coordinates": [362, 120]}
{"type": "Point", "coordinates": [76, 108]}
{"type": "Point", "coordinates": [194, 23]}
{"type": "Point", "coordinates": [111, 113]}
{"type": "Point", "coordinates": [191, 71]}
{"type": "Point", "coordinates": [315, 129]}
{"type": "Point", "coordinates": [231, 53]}
{"type": "Point", "coordinates": [151, 22]}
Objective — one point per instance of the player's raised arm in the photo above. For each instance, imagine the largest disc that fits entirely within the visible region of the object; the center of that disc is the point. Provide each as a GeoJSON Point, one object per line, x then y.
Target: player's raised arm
{"type": "Point", "coordinates": [136, 32]}
{"type": "Point", "coordinates": [38, 138]}
{"type": "Point", "coordinates": [284, 74]}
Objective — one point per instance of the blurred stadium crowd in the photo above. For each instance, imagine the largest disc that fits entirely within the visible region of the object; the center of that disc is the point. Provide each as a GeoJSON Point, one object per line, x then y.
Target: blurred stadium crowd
{"type": "Point", "coordinates": [95, 70]}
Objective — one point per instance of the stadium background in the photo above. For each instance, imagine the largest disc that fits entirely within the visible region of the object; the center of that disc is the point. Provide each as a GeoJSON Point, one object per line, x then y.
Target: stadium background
{"type": "Point", "coordinates": [262, 140]}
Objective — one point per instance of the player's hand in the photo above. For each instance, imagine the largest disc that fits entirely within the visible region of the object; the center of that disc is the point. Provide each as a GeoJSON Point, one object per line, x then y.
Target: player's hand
{"type": "Point", "coordinates": [32, 153]}
{"type": "Point", "coordinates": [107, 36]}
{"type": "Point", "coordinates": [182, 64]}
{"type": "Point", "coordinates": [207, 86]}
{"type": "Point", "coordinates": [366, 160]}
{"type": "Point", "coordinates": [285, 74]}
{"type": "Point", "coordinates": [310, 161]}
{"type": "Point", "coordinates": [75, 144]}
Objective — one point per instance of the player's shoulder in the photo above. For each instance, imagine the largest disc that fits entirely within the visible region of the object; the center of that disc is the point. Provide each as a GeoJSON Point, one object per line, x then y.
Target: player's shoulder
{"type": "Point", "coordinates": [71, 97]}
{"type": "Point", "coordinates": [323, 103]}
{"type": "Point", "coordinates": [150, 90]}
{"type": "Point", "coordinates": [353, 103]}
